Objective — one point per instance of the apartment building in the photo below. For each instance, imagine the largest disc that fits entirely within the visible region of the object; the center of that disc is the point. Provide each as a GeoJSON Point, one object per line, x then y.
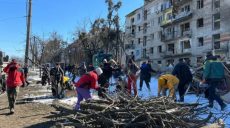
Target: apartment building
{"type": "Point", "coordinates": [166, 30]}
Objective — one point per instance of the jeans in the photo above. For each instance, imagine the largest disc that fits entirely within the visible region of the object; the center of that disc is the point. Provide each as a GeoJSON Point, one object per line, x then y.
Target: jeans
{"type": "Point", "coordinates": [146, 82]}
{"type": "Point", "coordinates": [212, 92]}
{"type": "Point", "coordinates": [182, 90]}
{"type": "Point", "coordinates": [12, 96]}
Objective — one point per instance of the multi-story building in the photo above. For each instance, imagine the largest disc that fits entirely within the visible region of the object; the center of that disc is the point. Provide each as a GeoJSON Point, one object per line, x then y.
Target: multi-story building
{"type": "Point", "coordinates": [166, 30]}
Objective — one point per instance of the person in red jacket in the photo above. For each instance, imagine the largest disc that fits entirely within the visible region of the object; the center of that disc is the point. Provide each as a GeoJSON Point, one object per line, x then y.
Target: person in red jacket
{"type": "Point", "coordinates": [85, 83]}
{"type": "Point", "coordinates": [15, 79]}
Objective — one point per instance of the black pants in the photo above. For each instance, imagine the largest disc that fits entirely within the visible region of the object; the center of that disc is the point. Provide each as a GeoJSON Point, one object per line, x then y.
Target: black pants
{"type": "Point", "coordinates": [146, 82]}
{"type": "Point", "coordinates": [182, 90]}
{"type": "Point", "coordinates": [213, 84]}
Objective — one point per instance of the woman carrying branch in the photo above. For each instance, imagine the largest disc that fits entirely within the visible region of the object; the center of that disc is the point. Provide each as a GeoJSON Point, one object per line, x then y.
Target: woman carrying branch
{"type": "Point", "coordinates": [132, 70]}
{"type": "Point", "coordinates": [85, 83]}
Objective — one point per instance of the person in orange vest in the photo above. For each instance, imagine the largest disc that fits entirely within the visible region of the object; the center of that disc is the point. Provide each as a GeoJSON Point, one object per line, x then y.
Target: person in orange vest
{"type": "Point", "coordinates": [170, 82]}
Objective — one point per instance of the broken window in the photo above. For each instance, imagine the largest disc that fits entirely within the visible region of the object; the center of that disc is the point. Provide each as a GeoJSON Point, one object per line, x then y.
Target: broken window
{"type": "Point", "coordinates": [216, 21]}
{"type": "Point", "coordinates": [152, 36]}
{"type": "Point", "coordinates": [139, 28]}
{"type": "Point", "coordinates": [144, 40]}
{"type": "Point", "coordinates": [160, 19]}
{"type": "Point", "coordinates": [159, 62]}
{"type": "Point", "coordinates": [145, 14]}
{"type": "Point", "coordinates": [199, 60]}
{"type": "Point", "coordinates": [216, 4]}
{"type": "Point", "coordinates": [132, 20]}
{"type": "Point", "coordinates": [200, 4]}
{"type": "Point", "coordinates": [186, 8]}
{"type": "Point", "coordinates": [139, 40]}
{"type": "Point", "coordinates": [186, 44]}
{"type": "Point", "coordinates": [145, 27]}
{"type": "Point", "coordinates": [216, 41]}
{"type": "Point", "coordinates": [171, 48]}
{"type": "Point", "coordinates": [185, 27]}
{"type": "Point", "coordinates": [160, 49]}
{"type": "Point", "coordinates": [200, 41]}
{"type": "Point", "coordinates": [151, 50]}
{"type": "Point", "coordinates": [200, 22]}
{"type": "Point", "coordinates": [138, 16]}
{"type": "Point", "coordinates": [144, 52]}
{"type": "Point", "coordinates": [132, 42]}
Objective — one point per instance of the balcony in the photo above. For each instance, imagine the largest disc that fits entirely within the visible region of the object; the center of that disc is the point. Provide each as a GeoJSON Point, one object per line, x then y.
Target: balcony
{"type": "Point", "coordinates": [186, 33]}
{"type": "Point", "coordinates": [165, 23]}
{"type": "Point", "coordinates": [180, 2]}
{"type": "Point", "coordinates": [183, 16]}
{"type": "Point", "coordinates": [171, 54]}
{"type": "Point", "coordinates": [129, 46]}
{"type": "Point", "coordinates": [168, 37]}
{"type": "Point", "coordinates": [131, 35]}
{"type": "Point", "coordinates": [184, 51]}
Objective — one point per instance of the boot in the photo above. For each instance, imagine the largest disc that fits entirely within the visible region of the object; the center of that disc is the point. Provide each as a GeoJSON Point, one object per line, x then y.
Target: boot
{"type": "Point", "coordinates": [210, 105]}
{"type": "Point", "coordinates": [223, 107]}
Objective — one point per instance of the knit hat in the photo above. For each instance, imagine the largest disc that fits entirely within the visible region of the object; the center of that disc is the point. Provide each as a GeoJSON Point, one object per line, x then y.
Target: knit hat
{"type": "Point", "coordinates": [98, 71]}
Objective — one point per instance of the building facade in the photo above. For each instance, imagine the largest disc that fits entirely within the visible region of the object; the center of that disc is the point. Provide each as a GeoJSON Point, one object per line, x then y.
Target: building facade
{"type": "Point", "coordinates": [166, 30]}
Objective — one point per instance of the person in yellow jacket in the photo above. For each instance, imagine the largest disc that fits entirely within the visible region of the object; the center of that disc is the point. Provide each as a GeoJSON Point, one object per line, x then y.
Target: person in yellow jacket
{"type": "Point", "coordinates": [165, 82]}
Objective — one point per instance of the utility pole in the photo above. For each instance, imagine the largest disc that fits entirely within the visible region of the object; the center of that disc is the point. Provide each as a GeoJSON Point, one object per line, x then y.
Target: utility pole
{"type": "Point", "coordinates": [28, 33]}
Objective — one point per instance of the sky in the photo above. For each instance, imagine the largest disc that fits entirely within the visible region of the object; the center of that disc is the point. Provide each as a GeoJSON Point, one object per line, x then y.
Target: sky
{"type": "Point", "coordinates": [61, 16]}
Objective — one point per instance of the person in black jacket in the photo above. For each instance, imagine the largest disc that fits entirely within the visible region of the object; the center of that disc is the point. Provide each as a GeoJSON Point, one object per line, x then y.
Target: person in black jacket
{"type": "Point", "coordinates": [183, 73]}
{"type": "Point", "coordinates": [145, 74]}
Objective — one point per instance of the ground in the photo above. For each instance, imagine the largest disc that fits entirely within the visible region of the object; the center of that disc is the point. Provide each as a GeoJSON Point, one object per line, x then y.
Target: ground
{"type": "Point", "coordinates": [27, 115]}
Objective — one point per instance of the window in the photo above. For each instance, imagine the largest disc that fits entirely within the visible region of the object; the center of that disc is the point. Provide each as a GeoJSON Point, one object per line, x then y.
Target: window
{"type": "Point", "coordinates": [216, 21]}
{"type": "Point", "coordinates": [138, 16]}
{"type": "Point", "coordinates": [169, 16]}
{"type": "Point", "coordinates": [186, 44]}
{"type": "Point", "coordinates": [145, 27]}
{"type": "Point", "coordinates": [145, 14]}
{"type": "Point", "coordinates": [158, 62]}
{"type": "Point", "coordinates": [185, 28]}
{"type": "Point", "coordinates": [144, 40]}
{"type": "Point", "coordinates": [200, 4]}
{"type": "Point", "coordinates": [159, 34]}
{"type": "Point", "coordinates": [200, 41]}
{"type": "Point", "coordinates": [160, 19]}
{"type": "Point", "coordinates": [152, 36]}
{"type": "Point", "coordinates": [160, 49]}
{"type": "Point", "coordinates": [199, 60]}
{"type": "Point", "coordinates": [144, 52]}
{"type": "Point", "coordinates": [139, 28]}
{"type": "Point", "coordinates": [216, 4]}
{"type": "Point", "coordinates": [132, 20]}
{"type": "Point", "coordinates": [216, 41]}
{"type": "Point", "coordinates": [186, 8]}
{"type": "Point", "coordinates": [152, 22]}
{"type": "Point", "coordinates": [139, 40]}
{"type": "Point", "coordinates": [132, 42]}
{"type": "Point", "coordinates": [171, 48]}
{"type": "Point", "coordinates": [151, 50]}
{"type": "Point", "coordinates": [200, 22]}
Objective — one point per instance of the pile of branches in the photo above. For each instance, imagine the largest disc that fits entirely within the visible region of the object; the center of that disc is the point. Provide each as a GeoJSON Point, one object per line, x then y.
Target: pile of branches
{"type": "Point", "coordinates": [123, 111]}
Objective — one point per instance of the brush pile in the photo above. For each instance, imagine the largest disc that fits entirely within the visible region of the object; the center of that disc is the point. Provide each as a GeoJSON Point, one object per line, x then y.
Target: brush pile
{"type": "Point", "coordinates": [123, 111]}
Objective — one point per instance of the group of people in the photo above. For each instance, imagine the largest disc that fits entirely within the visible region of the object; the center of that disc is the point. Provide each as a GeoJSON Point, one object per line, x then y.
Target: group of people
{"type": "Point", "coordinates": [178, 79]}
{"type": "Point", "coordinates": [99, 79]}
